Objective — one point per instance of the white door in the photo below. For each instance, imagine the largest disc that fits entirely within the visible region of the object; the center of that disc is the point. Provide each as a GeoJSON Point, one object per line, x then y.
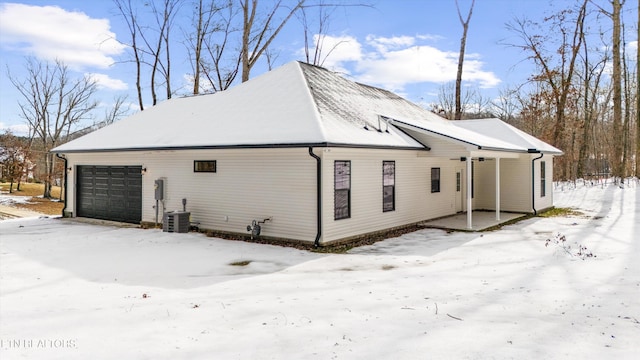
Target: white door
{"type": "Point", "coordinates": [459, 185]}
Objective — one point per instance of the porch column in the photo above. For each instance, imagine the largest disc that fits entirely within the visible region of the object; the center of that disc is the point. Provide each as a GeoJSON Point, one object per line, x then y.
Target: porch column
{"type": "Point", "coordinates": [497, 188]}
{"type": "Point", "coordinates": [469, 207]}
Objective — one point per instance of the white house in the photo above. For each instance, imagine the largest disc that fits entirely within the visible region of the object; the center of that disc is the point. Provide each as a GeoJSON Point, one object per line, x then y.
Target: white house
{"type": "Point", "coordinates": [321, 158]}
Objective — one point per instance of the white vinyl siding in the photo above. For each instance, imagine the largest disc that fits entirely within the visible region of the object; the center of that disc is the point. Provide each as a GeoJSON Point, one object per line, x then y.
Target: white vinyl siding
{"type": "Point", "coordinates": [248, 184]}
{"type": "Point", "coordinates": [280, 183]}
{"type": "Point", "coordinates": [485, 184]}
{"type": "Point", "coordinates": [515, 184]}
{"type": "Point", "coordinates": [414, 201]}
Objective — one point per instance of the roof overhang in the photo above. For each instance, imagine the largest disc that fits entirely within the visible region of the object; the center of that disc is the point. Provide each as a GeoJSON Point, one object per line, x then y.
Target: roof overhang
{"type": "Point", "coordinates": [468, 144]}
{"type": "Point", "coordinates": [252, 146]}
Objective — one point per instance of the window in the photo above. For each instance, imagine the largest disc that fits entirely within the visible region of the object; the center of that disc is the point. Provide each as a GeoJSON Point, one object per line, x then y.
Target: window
{"type": "Point", "coordinates": [342, 189]}
{"type": "Point", "coordinates": [204, 166]}
{"type": "Point", "coordinates": [543, 180]}
{"type": "Point", "coordinates": [458, 181]}
{"type": "Point", "coordinates": [435, 180]}
{"type": "Point", "coordinates": [388, 186]}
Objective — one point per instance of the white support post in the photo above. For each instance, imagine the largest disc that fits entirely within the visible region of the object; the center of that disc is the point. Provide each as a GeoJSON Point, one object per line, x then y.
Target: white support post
{"type": "Point", "coordinates": [497, 188]}
{"type": "Point", "coordinates": [469, 206]}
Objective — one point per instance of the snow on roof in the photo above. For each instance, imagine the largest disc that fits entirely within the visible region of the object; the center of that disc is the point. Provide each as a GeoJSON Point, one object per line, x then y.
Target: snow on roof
{"type": "Point", "coordinates": [295, 105]}
{"type": "Point", "coordinates": [500, 130]}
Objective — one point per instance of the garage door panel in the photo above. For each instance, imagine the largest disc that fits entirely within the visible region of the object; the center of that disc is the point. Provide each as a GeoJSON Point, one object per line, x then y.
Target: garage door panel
{"type": "Point", "coordinates": [110, 192]}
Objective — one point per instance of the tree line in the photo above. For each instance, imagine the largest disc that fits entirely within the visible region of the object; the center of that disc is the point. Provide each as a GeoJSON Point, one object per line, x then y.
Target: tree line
{"type": "Point", "coordinates": [581, 98]}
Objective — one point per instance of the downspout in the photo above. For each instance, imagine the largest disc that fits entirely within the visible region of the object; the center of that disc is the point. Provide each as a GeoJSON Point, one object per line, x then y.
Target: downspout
{"type": "Point", "coordinates": [316, 243]}
{"type": "Point", "coordinates": [533, 179]}
{"type": "Point", "coordinates": [64, 208]}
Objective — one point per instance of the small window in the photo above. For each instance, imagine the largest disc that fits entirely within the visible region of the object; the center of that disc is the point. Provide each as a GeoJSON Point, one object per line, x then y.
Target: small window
{"type": "Point", "coordinates": [388, 186]}
{"type": "Point", "coordinates": [543, 179]}
{"type": "Point", "coordinates": [342, 189]}
{"type": "Point", "coordinates": [204, 166]}
{"type": "Point", "coordinates": [458, 181]}
{"type": "Point", "coordinates": [435, 180]}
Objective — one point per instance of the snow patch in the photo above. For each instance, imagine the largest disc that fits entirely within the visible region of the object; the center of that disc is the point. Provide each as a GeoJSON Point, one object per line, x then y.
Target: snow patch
{"type": "Point", "coordinates": [113, 292]}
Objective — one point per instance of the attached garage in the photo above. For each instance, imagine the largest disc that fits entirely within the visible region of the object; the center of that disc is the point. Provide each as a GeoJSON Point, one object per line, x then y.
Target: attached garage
{"type": "Point", "coordinates": [109, 193]}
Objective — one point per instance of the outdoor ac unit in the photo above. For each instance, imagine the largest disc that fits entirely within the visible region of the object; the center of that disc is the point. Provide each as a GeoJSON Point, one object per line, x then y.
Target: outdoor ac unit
{"type": "Point", "coordinates": [176, 221]}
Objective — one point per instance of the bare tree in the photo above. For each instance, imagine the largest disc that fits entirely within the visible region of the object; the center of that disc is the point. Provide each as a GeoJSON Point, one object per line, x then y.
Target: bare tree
{"type": "Point", "coordinates": [446, 105]}
{"type": "Point", "coordinates": [626, 137]}
{"type": "Point", "coordinates": [557, 65]}
{"type": "Point", "coordinates": [258, 33]}
{"type": "Point", "coordinates": [210, 45]}
{"type": "Point", "coordinates": [536, 113]}
{"type": "Point", "coordinates": [204, 19]}
{"type": "Point", "coordinates": [118, 110]}
{"type": "Point", "coordinates": [52, 104]}
{"type": "Point", "coordinates": [618, 168]}
{"type": "Point", "coordinates": [591, 82]}
{"type": "Point", "coordinates": [463, 43]}
{"type": "Point", "coordinates": [130, 16]}
{"type": "Point", "coordinates": [314, 40]}
{"type": "Point", "coordinates": [153, 40]}
{"type": "Point", "coordinates": [506, 105]}
{"type": "Point", "coordinates": [159, 46]}
{"type": "Point", "coordinates": [638, 96]}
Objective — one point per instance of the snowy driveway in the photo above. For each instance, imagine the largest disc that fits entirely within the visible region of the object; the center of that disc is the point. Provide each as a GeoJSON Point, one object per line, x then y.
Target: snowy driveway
{"type": "Point", "coordinates": [76, 291]}
{"type": "Point", "coordinates": [131, 256]}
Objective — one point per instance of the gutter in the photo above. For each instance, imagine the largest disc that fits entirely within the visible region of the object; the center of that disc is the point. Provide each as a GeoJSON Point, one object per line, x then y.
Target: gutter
{"type": "Point", "coordinates": [316, 243]}
{"type": "Point", "coordinates": [533, 178]}
{"type": "Point", "coordinates": [63, 158]}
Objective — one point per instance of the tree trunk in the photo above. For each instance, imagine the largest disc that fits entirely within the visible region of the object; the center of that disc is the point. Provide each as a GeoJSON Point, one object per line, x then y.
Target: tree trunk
{"type": "Point", "coordinates": [197, 62]}
{"type": "Point", "coordinates": [463, 43]}
{"type": "Point", "coordinates": [48, 176]}
{"type": "Point", "coordinates": [627, 110]}
{"type": "Point", "coordinates": [638, 97]}
{"type": "Point", "coordinates": [248, 19]}
{"type": "Point", "coordinates": [617, 93]}
{"type": "Point", "coordinates": [255, 43]}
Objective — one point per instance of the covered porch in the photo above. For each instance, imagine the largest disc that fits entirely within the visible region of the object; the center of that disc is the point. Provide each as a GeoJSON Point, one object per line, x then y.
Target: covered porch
{"type": "Point", "coordinates": [482, 220]}
{"type": "Point", "coordinates": [486, 219]}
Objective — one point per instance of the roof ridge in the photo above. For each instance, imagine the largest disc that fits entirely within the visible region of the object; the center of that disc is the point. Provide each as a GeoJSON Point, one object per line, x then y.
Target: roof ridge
{"type": "Point", "coordinates": [312, 100]}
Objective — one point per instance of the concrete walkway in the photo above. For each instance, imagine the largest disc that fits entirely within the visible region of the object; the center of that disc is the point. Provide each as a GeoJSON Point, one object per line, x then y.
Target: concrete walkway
{"type": "Point", "coordinates": [10, 212]}
{"type": "Point", "coordinates": [482, 220]}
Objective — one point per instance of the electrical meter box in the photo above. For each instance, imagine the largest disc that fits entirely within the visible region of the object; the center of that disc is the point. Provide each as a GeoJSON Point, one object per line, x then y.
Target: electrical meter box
{"type": "Point", "coordinates": [159, 189]}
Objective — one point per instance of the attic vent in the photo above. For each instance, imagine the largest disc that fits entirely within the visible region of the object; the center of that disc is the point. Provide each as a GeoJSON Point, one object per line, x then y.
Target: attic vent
{"type": "Point", "coordinates": [383, 120]}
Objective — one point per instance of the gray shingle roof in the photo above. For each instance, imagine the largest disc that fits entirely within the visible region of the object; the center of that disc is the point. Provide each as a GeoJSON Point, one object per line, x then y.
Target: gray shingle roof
{"type": "Point", "coordinates": [295, 105]}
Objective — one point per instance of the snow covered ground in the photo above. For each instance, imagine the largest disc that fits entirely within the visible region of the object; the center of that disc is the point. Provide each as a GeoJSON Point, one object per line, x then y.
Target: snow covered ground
{"type": "Point", "coordinates": [76, 291]}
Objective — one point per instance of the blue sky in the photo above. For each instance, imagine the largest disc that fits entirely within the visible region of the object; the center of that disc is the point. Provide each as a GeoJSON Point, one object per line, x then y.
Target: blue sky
{"type": "Point", "coordinates": [407, 46]}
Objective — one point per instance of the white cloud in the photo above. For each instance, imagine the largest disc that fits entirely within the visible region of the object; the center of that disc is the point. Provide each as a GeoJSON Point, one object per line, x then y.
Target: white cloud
{"type": "Point", "coordinates": [15, 129]}
{"type": "Point", "coordinates": [106, 82]}
{"type": "Point", "coordinates": [384, 44]}
{"type": "Point", "coordinates": [336, 50]}
{"type": "Point", "coordinates": [50, 32]}
{"type": "Point", "coordinates": [394, 62]}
